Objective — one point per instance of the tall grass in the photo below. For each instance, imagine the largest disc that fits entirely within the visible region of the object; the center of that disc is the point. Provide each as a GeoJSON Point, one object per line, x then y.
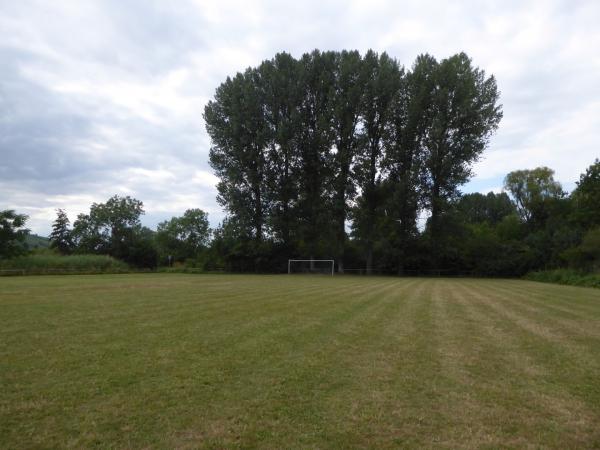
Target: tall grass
{"type": "Point", "coordinates": [566, 276]}
{"type": "Point", "coordinates": [52, 263]}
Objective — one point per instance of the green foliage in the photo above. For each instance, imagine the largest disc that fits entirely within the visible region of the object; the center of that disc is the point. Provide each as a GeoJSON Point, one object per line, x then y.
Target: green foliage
{"type": "Point", "coordinates": [566, 276]}
{"type": "Point", "coordinates": [114, 228]}
{"type": "Point", "coordinates": [235, 122]}
{"type": "Point", "coordinates": [184, 237]}
{"type": "Point", "coordinates": [383, 78]}
{"type": "Point", "coordinates": [12, 234]}
{"type": "Point", "coordinates": [234, 254]}
{"type": "Point", "coordinates": [60, 237]}
{"type": "Point", "coordinates": [495, 250]}
{"type": "Point", "coordinates": [141, 248]}
{"type": "Point", "coordinates": [294, 141]}
{"type": "Point", "coordinates": [510, 228]}
{"type": "Point", "coordinates": [108, 226]}
{"type": "Point", "coordinates": [585, 256]}
{"type": "Point", "coordinates": [281, 91]}
{"type": "Point", "coordinates": [87, 237]}
{"type": "Point", "coordinates": [462, 114]}
{"type": "Point", "coordinates": [52, 263]}
{"type": "Point", "coordinates": [479, 208]}
{"type": "Point", "coordinates": [587, 197]}
{"type": "Point", "coordinates": [315, 140]}
{"type": "Point", "coordinates": [535, 192]}
{"type": "Point", "coordinates": [348, 100]}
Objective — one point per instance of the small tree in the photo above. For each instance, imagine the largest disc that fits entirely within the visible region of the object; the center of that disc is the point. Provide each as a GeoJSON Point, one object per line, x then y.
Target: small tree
{"type": "Point", "coordinates": [60, 238]}
{"type": "Point", "coordinates": [534, 191]}
{"type": "Point", "coordinates": [184, 237]}
{"type": "Point", "coordinates": [141, 247]}
{"type": "Point", "coordinates": [113, 228]}
{"type": "Point", "coordinates": [12, 234]}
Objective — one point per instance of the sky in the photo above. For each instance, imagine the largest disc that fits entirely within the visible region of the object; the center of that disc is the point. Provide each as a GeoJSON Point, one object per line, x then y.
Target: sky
{"type": "Point", "coordinates": [106, 97]}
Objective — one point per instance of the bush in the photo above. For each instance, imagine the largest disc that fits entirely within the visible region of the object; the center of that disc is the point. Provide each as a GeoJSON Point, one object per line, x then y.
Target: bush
{"type": "Point", "coordinates": [585, 256]}
{"type": "Point", "coordinates": [566, 276]}
{"type": "Point", "coordinates": [51, 263]}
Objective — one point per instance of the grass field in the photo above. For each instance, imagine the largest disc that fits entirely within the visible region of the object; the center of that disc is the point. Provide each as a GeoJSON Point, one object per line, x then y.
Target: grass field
{"type": "Point", "coordinates": [187, 361]}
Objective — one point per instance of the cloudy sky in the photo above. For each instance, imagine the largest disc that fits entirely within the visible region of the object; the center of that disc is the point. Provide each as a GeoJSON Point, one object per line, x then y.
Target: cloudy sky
{"type": "Point", "coordinates": [106, 97]}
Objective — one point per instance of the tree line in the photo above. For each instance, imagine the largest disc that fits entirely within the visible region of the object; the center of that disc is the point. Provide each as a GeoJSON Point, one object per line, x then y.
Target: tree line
{"type": "Point", "coordinates": [114, 228]}
{"type": "Point", "coordinates": [306, 149]}
{"type": "Point", "coordinates": [532, 225]}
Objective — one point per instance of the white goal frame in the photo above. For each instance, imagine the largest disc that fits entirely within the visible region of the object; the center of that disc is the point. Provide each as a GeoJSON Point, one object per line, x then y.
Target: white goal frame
{"type": "Point", "coordinates": [290, 261]}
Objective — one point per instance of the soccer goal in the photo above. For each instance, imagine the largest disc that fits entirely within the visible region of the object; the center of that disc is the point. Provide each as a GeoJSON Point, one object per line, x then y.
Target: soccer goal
{"type": "Point", "coordinates": [324, 266]}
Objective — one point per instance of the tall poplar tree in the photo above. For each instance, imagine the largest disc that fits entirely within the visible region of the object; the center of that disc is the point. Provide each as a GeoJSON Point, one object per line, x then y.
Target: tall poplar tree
{"type": "Point", "coordinates": [315, 142]}
{"type": "Point", "coordinates": [349, 84]}
{"type": "Point", "coordinates": [462, 115]}
{"type": "Point", "coordinates": [282, 93]}
{"type": "Point", "coordinates": [381, 81]}
{"type": "Point", "coordinates": [403, 162]}
{"type": "Point", "coordinates": [236, 124]}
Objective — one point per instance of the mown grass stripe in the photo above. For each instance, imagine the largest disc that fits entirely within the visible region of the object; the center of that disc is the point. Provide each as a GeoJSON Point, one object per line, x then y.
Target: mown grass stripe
{"type": "Point", "coordinates": [517, 383]}
{"type": "Point", "coordinates": [550, 301]}
{"type": "Point", "coordinates": [564, 364]}
{"type": "Point", "coordinates": [192, 361]}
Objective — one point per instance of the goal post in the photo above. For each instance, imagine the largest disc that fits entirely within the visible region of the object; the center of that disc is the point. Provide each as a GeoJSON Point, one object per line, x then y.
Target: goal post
{"type": "Point", "coordinates": [308, 266]}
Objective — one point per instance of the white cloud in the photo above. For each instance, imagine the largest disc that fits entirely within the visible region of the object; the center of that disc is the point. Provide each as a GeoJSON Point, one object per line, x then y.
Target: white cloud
{"type": "Point", "coordinates": [204, 179]}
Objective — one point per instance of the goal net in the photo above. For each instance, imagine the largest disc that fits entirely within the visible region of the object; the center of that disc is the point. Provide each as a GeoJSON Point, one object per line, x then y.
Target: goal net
{"type": "Point", "coordinates": [322, 266]}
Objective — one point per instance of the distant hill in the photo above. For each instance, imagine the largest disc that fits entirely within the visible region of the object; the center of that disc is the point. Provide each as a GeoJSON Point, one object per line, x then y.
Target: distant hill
{"type": "Point", "coordinates": [35, 241]}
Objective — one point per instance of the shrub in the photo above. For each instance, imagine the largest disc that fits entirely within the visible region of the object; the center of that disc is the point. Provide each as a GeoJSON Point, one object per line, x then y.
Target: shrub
{"type": "Point", "coordinates": [566, 276]}
{"type": "Point", "coordinates": [52, 263]}
{"type": "Point", "coordinates": [585, 256]}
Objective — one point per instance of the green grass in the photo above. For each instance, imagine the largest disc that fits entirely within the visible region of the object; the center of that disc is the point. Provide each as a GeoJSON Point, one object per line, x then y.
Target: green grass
{"type": "Point", "coordinates": [48, 263]}
{"type": "Point", "coordinates": [188, 361]}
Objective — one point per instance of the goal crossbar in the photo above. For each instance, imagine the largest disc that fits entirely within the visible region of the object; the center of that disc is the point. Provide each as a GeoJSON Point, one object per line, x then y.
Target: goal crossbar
{"type": "Point", "coordinates": [290, 261]}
